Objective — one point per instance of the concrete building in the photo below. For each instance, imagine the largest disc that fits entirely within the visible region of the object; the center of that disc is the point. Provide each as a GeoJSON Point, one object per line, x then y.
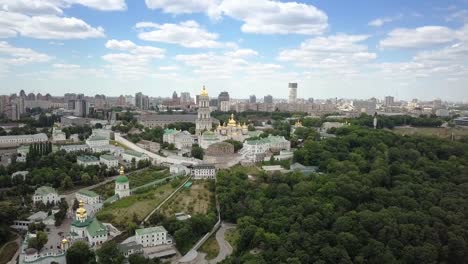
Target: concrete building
{"type": "Point", "coordinates": [109, 160]}
{"type": "Point", "coordinates": [86, 160]}
{"type": "Point", "coordinates": [152, 236]}
{"type": "Point", "coordinates": [129, 155]}
{"type": "Point", "coordinates": [292, 88]}
{"type": "Point", "coordinates": [203, 172]}
{"type": "Point", "coordinates": [88, 197]}
{"type": "Point", "coordinates": [23, 139]}
{"type": "Point", "coordinates": [45, 195]}
{"type": "Point", "coordinates": [149, 145]}
{"type": "Point", "coordinates": [268, 99]}
{"type": "Point", "coordinates": [97, 141]}
{"type": "Point", "coordinates": [74, 148]}
{"type": "Point", "coordinates": [58, 135]}
{"type": "Point", "coordinates": [461, 121]}
{"type": "Point", "coordinates": [389, 101]}
{"type": "Point", "coordinates": [253, 99]}
{"type": "Point", "coordinates": [204, 121]}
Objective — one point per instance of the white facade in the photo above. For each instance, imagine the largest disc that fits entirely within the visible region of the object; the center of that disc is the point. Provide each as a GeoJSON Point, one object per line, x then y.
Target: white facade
{"type": "Point", "coordinates": [74, 148]}
{"type": "Point", "coordinates": [58, 135]}
{"type": "Point", "coordinates": [152, 236]}
{"type": "Point", "coordinates": [46, 195]}
{"type": "Point", "coordinates": [109, 161]}
{"type": "Point", "coordinates": [87, 161]}
{"type": "Point", "coordinates": [129, 155]}
{"type": "Point", "coordinates": [96, 141]}
{"type": "Point", "coordinates": [23, 139]}
{"type": "Point", "coordinates": [203, 172]}
{"type": "Point", "coordinates": [254, 151]}
{"type": "Point", "coordinates": [183, 140]}
{"type": "Point", "coordinates": [176, 169]}
{"type": "Point", "coordinates": [88, 197]}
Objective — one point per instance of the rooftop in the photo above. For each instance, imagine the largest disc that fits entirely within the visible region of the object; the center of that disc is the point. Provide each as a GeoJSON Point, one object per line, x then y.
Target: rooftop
{"type": "Point", "coordinates": [121, 179]}
{"type": "Point", "coordinates": [88, 193]}
{"type": "Point", "coordinates": [44, 190]}
{"type": "Point", "coordinates": [133, 153]}
{"type": "Point", "coordinates": [108, 157]}
{"type": "Point", "coordinates": [96, 228]}
{"type": "Point", "coordinates": [150, 230]}
{"type": "Point", "coordinates": [87, 158]}
{"type": "Point", "coordinates": [41, 136]}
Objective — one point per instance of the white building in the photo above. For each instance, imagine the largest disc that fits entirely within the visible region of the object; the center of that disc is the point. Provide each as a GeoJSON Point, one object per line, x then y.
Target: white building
{"type": "Point", "coordinates": [152, 236]}
{"type": "Point", "coordinates": [102, 133]}
{"type": "Point", "coordinates": [86, 160]}
{"type": "Point", "coordinates": [88, 228]}
{"type": "Point", "coordinates": [180, 139]}
{"type": "Point", "coordinates": [88, 197]}
{"type": "Point", "coordinates": [23, 139]}
{"type": "Point", "coordinates": [96, 141]}
{"type": "Point", "coordinates": [178, 169]}
{"type": "Point", "coordinates": [203, 172]}
{"type": "Point", "coordinates": [114, 150]}
{"type": "Point", "coordinates": [58, 135]}
{"type": "Point", "coordinates": [46, 194]}
{"type": "Point", "coordinates": [129, 155]}
{"type": "Point", "coordinates": [74, 148]}
{"type": "Point", "coordinates": [109, 160]}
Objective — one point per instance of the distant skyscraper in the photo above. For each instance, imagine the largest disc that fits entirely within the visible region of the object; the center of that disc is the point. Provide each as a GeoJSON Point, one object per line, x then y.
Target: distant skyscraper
{"type": "Point", "coordinates": [253, 99]}
{"type": "Point", "coordinates": [437, 104]}
{"type": "Point", "coordinates": [292, 93]}
{"type": "Point", "coordinates": [139, 99]}
{"type": "Point", "coordinates": [311, 100]}
{"type": "Point", "coordinates": [185, 98]}
{"type": "Point", "coordinates": [389, 100]}
{"type": "Point", "coordinates": [268, 99]}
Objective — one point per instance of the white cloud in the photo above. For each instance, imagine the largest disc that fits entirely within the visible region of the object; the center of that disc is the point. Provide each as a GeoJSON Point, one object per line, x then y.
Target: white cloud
{"type": "Point", "coordinates": [187, 34]}
{"type": "Point", "coordinates": [55, 7]}
{"type": "Point", "coordinates": [185, 6]}
{"type": "Point", "coordinates": [168, 68]}
{"type": "Point", "coordinates": [459, 15]}
{"type": "Point", "coordinates": [135, 63]}
{"type": "Point", "coordinates": [20, 56]}
{"type": "Point", "coordinates": [241, 53]}
{"type": "Point", "coordinates": [384, 20]}
{"type": "Point", "coordinates": [340, 53]}
{"type": "Point", "coordinates": [420, 37]}
{"type": "Point", "coordinates": [47, 26]}
{"type": "Point", "coordinates": [65, 66]}
{"type": "Point", "coordinates": [273, 17]}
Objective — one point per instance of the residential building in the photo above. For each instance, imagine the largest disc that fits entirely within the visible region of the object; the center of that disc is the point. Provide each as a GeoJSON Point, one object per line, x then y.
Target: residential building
{"type": "Point", "coordinates": [86, 160]}
{"type": "Point", "coordinates": [268, 99]}
{"type": "Point", "coordinates": [292, 93]}
{"type": "Point", "coordinates": [389, 101]}
{"type": "Point", "coordinates": [109, 160]}
{"type": "Point", "coordinates": [152, 236]}
{"type": "Point", "coordinates": [252, 99]}
{"type": "Point", "coordinates": [74, 148]}
{"type": "Point", "coordinates": [129, 155]}
{"type": "Point", "coordinates": [45, 195]}
{"type": "Point", "coordinates": [23, 139]}
{"type": "Point", "coordinates": [88, 197]}
{"type": "Point", "coordinates": [203, 172]}
{"type": "Point", "coordinates": [97, 141]}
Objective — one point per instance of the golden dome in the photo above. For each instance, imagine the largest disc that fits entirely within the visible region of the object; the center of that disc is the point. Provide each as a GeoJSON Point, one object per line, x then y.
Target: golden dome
{"type": "Point", "coordinates": [232, 121]}
{"type": "Point", "coordinates": [298, 123]}
{"type": "Point", "coordinates": [122, 170]}
{"type": "Point", "coordinates": [81, 211]}
{"type": "Point", "coordinates": [64, 241]}
{"type": "Point", "coordinates": [204, 92]}
{"type": "Point", "coordinates": [245, 126]}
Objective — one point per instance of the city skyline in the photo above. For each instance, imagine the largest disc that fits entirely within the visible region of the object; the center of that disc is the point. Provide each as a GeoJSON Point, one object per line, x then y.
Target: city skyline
{"type": "Point", "coordinates": [331, 49]}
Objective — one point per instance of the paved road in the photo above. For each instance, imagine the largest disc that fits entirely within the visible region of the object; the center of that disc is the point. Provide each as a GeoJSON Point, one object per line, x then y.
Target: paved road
{"type": "Point", "coordinates": [225, 249]}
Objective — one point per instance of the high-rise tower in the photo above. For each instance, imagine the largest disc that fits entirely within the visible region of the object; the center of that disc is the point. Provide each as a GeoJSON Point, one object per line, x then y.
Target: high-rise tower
{"type": "Point", "coordinates": [203, 121]}
{"type": "Point", "coordinates": [292, 93]}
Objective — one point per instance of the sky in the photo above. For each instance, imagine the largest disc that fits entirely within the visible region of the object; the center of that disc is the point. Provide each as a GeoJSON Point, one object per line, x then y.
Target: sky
{"type": "Point", "coordinates": [331, 48]}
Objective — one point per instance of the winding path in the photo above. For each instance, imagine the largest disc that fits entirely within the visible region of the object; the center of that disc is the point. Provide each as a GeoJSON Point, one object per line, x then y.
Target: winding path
{"type": "Point", "coordinates": [225, 249]}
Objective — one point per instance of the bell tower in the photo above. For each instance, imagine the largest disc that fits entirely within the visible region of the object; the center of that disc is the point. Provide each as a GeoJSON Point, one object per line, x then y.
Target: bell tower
{"type": "Point", "coordinates": [203, 121]}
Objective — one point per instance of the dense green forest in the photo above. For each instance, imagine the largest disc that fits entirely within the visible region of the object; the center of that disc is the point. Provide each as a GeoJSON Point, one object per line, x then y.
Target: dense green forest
{"type": "Point", "coordinates": [380, 198]}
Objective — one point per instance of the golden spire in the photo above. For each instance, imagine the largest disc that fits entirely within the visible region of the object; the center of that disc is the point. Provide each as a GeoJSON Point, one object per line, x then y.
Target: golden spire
{"type": "Point", "coordinates": [232, 121]}
{"type": "Point", "coordinates": [81, 212]}
{"type": "Point", "coordinates": [122, 170]}
{"type": "Point", "coordinates": [204, 92]}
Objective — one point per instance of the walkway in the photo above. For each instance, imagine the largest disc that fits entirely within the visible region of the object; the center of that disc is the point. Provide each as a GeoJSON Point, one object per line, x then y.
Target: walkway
{"type": "Point", "coordinates": [225, 249]}
{"type": "Point", "coordinates": [18, 242]}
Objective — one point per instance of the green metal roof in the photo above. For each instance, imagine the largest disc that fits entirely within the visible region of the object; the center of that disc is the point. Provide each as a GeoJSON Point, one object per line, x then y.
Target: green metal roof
{"type": "Point", "coordinates": [96, 228]}
{"type": "Point", "coordinates": [188, 184]}
{"type": "Point", "coordinates": [121, 179]}
{"type": "Point", "coordinates": [85, 223]}
{"type": "Point", "coordinates": [169, 131]}
{"type": "Point", "coordinates": [108, 157]}
{"type": "Point", "coordinates": [96, 138]}
{"type": "Point", "coordinates": [44, 190]}
{"type": "Point", "coordinates": [88, 193]}
{"type": "Point", "coordinates": [150, 230]}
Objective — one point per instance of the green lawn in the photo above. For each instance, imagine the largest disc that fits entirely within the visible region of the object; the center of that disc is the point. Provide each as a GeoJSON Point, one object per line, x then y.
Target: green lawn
{"type": "Point", "coordinates": [232, 236]}
{"type": "Point", "coordinates": [196, 199]}
{"type": "Point", "coordinates": [136, 179]}
{"type": "Point", "coordinates": [8, 251]}
{"type": "Point", "coordinates": [210, 247]}
{"type": "Point", "coordinates": [138, 206]}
